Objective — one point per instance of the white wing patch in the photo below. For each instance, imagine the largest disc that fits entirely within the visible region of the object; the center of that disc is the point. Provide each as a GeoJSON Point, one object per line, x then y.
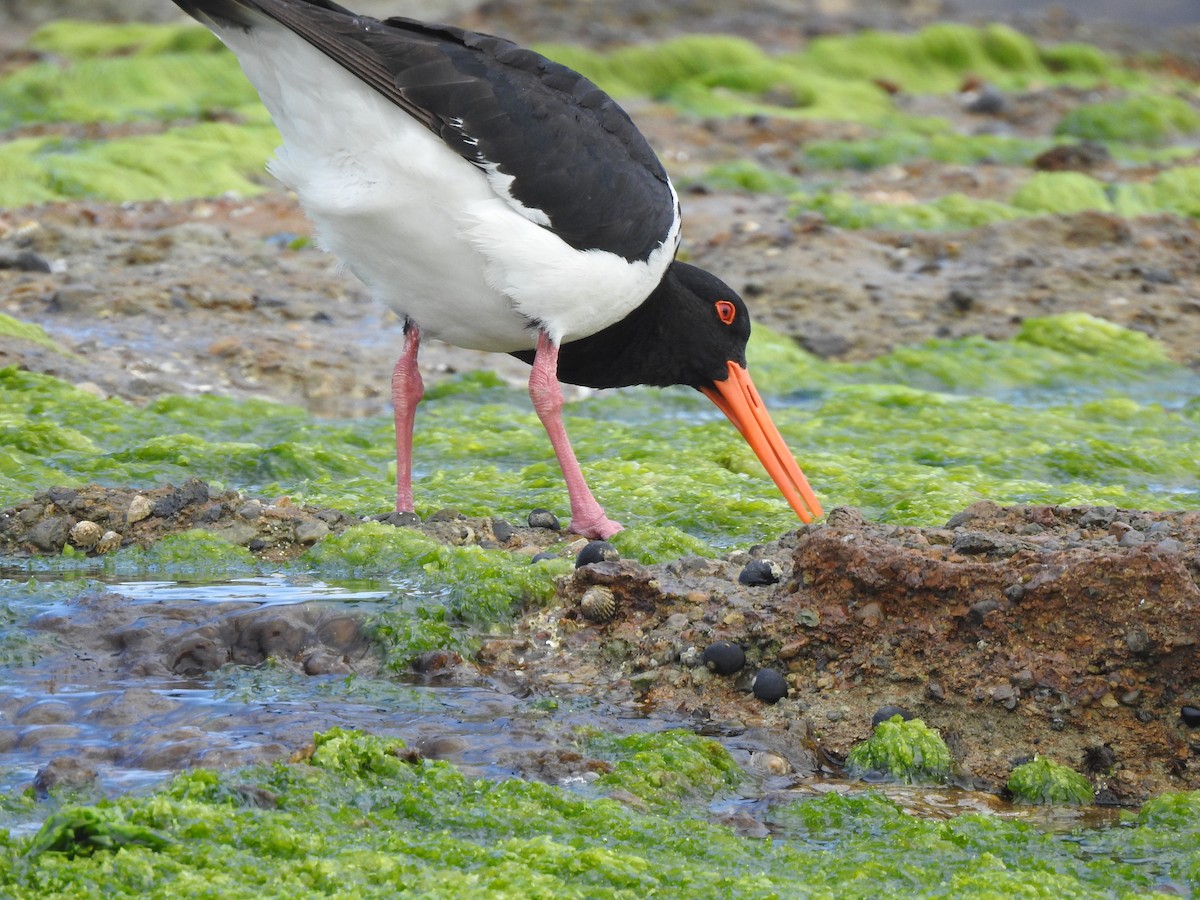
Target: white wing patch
{"type": "Point", "coordinates": [500, 182]}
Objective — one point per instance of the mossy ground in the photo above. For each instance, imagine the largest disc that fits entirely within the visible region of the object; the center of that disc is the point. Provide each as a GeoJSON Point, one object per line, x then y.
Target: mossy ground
{"type": "Point", "coordinates": [356, 816]}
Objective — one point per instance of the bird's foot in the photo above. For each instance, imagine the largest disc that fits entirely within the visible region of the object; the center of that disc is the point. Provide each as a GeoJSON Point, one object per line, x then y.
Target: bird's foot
{"type": "Point", "coordinates": [597, 527]}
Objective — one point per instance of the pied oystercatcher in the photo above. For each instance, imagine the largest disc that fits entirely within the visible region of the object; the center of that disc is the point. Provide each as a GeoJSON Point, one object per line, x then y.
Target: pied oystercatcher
{"type": "Point", "coordinates": [499, 201]}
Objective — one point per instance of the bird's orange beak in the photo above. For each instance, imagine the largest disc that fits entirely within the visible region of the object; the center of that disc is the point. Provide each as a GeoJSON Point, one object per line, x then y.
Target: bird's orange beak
{"type": "Point", "coordinates": [737, 397]}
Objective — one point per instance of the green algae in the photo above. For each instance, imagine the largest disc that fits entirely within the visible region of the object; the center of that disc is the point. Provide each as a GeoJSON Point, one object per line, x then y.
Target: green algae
{"type": "Point", "coordinates": [951, 211]}
{"type": "Point", "coordinates": [84, 831]}
{"type": "Point", "coordinates": [1044, 782]}
{"type": "Point", "coordinates": [899, 146]}
{"type": "Point", "coordinates": [190, 554]}
{"type": "Point", "coordinates": [1175, 190]}
{"type": "Point", "coordinates": [1145, 118]}
{"type": "Point", "coordinates": [907, 751]}
{"type": "Point", "coordinates": [196, 160]}
{"type": "Point", "coordinates": [173, 75]}
{"type": "Point", "coordinates": [27, 331]}
{"type": "Point", "coordinates": [1071, 411]}
{"type": "Point", "coordinates": [1061, 192]}
{"type": "Point", "coordinates": [452, 594]}
{"type": "Point", "coordinates": [936, 58]}
{"type": "Point", "coordinates": [82, 39]}
{"type": "Point", "coordinates": [665, 768]}
{"type": "Point", "coordinates": [359, 816]}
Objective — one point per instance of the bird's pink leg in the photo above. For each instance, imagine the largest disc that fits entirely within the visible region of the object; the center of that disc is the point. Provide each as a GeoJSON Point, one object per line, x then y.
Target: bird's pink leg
{"type": "Point", "coordinates": [407, 391]}
{"type": "Point", "coordinates": [587, 516]}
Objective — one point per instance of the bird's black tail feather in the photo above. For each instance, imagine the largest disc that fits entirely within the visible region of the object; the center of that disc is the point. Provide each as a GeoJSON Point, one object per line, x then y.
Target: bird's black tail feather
{"type": "Point", "coordinates": [245, 14]}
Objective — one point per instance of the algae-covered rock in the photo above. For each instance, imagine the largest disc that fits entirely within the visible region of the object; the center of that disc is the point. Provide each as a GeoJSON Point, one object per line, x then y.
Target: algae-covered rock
{"type": "Point", "coordinates": [908, 751]}
{"type": "Point", "coordinates": [1044, 782]}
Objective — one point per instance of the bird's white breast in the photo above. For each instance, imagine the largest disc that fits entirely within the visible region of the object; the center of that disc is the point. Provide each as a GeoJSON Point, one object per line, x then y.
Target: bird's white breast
{"type": "Point", "coordinates": [438, 239]}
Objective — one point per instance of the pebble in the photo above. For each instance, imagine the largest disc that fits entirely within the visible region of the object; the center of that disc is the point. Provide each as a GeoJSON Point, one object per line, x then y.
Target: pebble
{"type": "Point", "coordinates": [49, 535]}
{"type": "Point", "coordinates": [973, 542]}
{"type": "Point", "coordinates": [251, 509]}
{"type": "Point", "coordinates": [1132, 538]}
{"type": "Point", "coordinates": [978, 611]}
{"type": "Point", "coordinates": [760, 572]}
{"type": "Point", "coordinates": [1138, 641]}
{"type": "Point", "coordinates": [25, 261]}
{"type": "Point", "coordinates": [769, 686]}
{"type": "Point", "coordinates": [543, 518]}
{"type": "Point", "coordinates": [502, 530]}
{"type": "Point", "coordinates": [1006, 695]}
{"type": "Point", "coordinates": [311, 531]}
{"type": "Point", "coordinates": [596, 551]}
{"type": "Point", "coordinates": [724, 657]}
{"type": "Point", "coordinates": [140, 508]}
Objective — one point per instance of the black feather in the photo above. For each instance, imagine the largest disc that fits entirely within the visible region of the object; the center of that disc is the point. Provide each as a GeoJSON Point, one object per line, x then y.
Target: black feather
{"type": "Point", "coordinates": [482, 95]}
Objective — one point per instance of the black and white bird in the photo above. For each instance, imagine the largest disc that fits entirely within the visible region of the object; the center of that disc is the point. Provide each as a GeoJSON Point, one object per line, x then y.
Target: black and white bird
{"type": "Point", "coordinates": [499, 201]}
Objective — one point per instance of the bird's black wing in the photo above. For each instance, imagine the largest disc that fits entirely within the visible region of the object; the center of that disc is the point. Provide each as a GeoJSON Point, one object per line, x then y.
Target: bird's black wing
{"type": "Point", "coordinates": [572, 153]}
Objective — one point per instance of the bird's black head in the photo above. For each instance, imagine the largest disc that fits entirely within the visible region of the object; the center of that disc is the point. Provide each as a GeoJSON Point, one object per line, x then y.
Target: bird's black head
{"type": "Point", "coordinates": [710, 329]}
{"type": "Point", "coordinates": [686, 332]}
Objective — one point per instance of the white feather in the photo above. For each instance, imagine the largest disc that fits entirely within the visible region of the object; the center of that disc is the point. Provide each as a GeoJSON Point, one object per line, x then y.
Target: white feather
{"type": "Point", "coordinates": [436, 238]}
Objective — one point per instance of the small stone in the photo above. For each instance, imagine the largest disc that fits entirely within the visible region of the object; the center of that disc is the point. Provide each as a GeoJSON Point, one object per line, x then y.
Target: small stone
{"type": "Point", "coordinates": [973, 542]}
{"type": "Point", "coordinates": [978, 611]}
{"type": "Point", "coordinates": [935, 691]}
{"type": "Point", "coordinates": [724, 657]}
{"type": "Point", "coordinates": [109, 541]}
{"type": "Point", "coordinates": [885, 713]}
{"type": "Point", "coordinates": [769, 686]}
{"type": "Point", "coordinates": [1132, 538]}
{"type": "Point", "coordinates": [1190, 716]}
{"type": "Point", "coordinates": [596, 551]}
{"type": "Point", "coordinates": [598, 604]}
{"type": "Point", "coordinates": [140, 508]}
{"type": "Point", "coordinates": [986, 101]}
{"type": "Point", "coordinates": [1006, 695]}
{"type": "Point", "coordinates": [25, 261]}
{"type": "Point", "coordinates": [1014, 592]}
{"type": "Point", "coordinates": [1137, 640]}
{"type": "Point", "coordinates": [168, 505]}
{"type": "Point", "coordinates": [63, 497]}
{"type": "Point", "coordinates": [311, 531]}
{"type": "Point", "coordinates": [49, 535]}
{"type": "Point", "coordinates": [760, 572]}
{"type": "Point", "coordinates": [398, 519]}
{"type": "Point", "coordinates": [543, 518]}
{"type": "Point", "coordinates": [502, 530]}
{"type": "Point", "coordinates": [85, 534]}
{"type": "Point", "coordinates": [251, 509]}
{"type": "Point", "coordinates": [845, 517]}
{"type": "Point", "coordinates": [869, 613]}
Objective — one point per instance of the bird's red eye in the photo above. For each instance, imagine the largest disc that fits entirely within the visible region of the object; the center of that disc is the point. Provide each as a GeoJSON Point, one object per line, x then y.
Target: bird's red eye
{"type": "Point", "coordinates": [726, 311]}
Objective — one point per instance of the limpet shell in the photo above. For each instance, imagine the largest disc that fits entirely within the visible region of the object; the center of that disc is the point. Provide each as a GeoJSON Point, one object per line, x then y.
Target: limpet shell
{"type": "Point", "coordinates": [598, 604]}
{"type": "Point", "coordinates": [108, 542]}
{"type": "Point", "coordinates": [85, 534]}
